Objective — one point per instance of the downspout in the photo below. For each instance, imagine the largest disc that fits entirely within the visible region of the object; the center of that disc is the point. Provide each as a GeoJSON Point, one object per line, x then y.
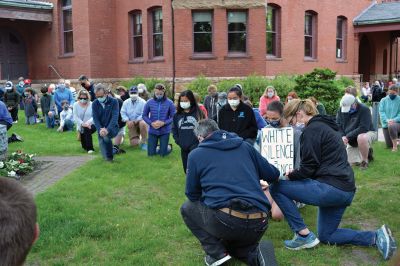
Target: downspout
{"type": "Point", "coordinates": [173, 49]}
{"type": "Point", "coordinates": [391, 57]}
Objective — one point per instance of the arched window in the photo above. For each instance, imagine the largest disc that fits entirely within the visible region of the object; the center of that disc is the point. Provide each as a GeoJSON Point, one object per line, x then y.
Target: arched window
{"type": "Point", "coordinates": [341, 39]}
{"type": "Point", "coordinates": [66, 27]}
{"type": "Point", "coordinates": [136, 31]}
{"type": "Point", "coordinates": [156, 32]}
{"type": "Point", "coordinates": [310, 34]}
{"type": "Point", "coordinates": [273, 30]}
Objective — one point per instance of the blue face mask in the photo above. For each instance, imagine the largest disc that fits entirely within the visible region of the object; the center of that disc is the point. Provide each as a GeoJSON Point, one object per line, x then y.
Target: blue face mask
{"type": "Point", "coordinates": [159, 97]}
{"type": "Point", "coordinates": [21, 83]}
{"type": "Point", "coordinates": [273, 123]}
{"type": "Point", "coordinates": [102, 99]}
{"type": "Point", "coordinates": [61, 87]}
{"type": "Point", "coordinates": [392, 96]}
{"type": "Point", "coordinates": [352, 110]}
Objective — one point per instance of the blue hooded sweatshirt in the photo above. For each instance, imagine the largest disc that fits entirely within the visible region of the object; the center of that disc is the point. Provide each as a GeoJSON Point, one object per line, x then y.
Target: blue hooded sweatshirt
{"type": "Point", "coordinates": [224, 167]}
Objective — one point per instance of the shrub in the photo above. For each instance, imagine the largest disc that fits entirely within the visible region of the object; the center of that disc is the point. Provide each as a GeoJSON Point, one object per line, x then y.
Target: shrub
{"type": "Point", "coordinates": [344, 82]}
{"type": "Point", "coordinates": [321, 84]}
{"type": "Point", "coordinates": [199, 85]}
{"type": "Point", "coordinates": [149, 82]}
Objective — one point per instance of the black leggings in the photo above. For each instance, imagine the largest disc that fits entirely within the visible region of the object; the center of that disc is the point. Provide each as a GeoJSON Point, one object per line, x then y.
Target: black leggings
{"type": "Point", "coordinates": [86, 138]}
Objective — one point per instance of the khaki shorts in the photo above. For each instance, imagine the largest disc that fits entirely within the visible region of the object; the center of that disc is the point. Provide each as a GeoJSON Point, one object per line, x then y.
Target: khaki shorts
{"type": "Point", "coordinates": [353, 153]}
{"type": "Point", "coordinates": [121, 132]}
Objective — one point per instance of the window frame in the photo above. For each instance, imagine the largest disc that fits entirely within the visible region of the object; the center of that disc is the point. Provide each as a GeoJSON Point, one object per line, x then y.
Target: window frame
{"type": "Point", "coordinates": [342, 38]}
{"type": "Point", "coordinates": [210, 53]}
{"type": "Point", "coordinates": [133, 35]}
{"type": "Point", "coordinates": [313, 36]}
{"type": "Point", "coordinates": [276, 21]}
{"type": "Point", "coordinates": [238, 53]}
{"type": "Point", "coordinates": [152, 34]}
{"type": "Point", "coordinates": [63, 39]}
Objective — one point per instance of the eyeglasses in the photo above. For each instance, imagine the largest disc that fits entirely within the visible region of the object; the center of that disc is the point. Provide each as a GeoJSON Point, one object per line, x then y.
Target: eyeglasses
{"type": "Point", "coordinates": [297, 109]}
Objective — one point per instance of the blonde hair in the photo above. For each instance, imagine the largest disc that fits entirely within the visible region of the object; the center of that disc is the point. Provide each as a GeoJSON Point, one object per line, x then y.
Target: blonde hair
{"type": "Point", "coordinates": [212, 88]}
{"type": "Point", "coordinates": [83, 92]}
{"type": "Point", "coordinates": [295, 105]}
{"type": "Point", "coordinates": [269, 87]}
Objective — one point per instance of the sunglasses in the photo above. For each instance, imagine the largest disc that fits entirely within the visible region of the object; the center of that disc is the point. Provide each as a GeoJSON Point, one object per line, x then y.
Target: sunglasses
{"type": "Point", "coordinates": [82, 98]}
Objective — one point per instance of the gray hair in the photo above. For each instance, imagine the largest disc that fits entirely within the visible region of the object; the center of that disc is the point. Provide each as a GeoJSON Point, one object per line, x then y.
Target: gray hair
{"type": "Point", "coordinates": [100, 87]}
{"type": "Point", "coordinates": [205, 127]}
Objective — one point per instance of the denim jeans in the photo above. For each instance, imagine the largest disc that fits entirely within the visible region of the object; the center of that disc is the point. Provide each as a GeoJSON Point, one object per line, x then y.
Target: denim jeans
{"type": "Point", "coordinates": [219, 232]}
{"type": "Point", "coordinates": [49, 121]}
{"type": "Point", "coordinates": [153, 141]}
{"type": "Point", "coordinates": [375, 115]}
{"type": "Point", "coordinates": [106, 147]}
{"type": "Point", "coordinates": [68, 125]}
{"type": "Point", "coordinates": [332, 203]}
{"type": "Point", "coordinates": [30, 120]}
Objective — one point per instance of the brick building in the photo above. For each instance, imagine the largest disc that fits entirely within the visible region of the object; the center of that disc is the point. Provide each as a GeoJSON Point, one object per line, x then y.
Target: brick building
{"type": "Point", "coordinates": [184, 38]}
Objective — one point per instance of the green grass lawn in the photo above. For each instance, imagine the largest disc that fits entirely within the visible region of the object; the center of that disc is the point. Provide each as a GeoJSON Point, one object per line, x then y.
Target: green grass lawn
{"type": "Point", "coordinates": [127, 213]}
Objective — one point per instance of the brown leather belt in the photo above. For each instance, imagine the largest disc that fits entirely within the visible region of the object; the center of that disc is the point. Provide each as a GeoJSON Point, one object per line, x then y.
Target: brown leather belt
{"type": "Point", "coordinates": [257, 215]}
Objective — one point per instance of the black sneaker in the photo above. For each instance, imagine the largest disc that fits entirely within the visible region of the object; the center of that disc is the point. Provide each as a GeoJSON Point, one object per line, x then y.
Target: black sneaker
{"type": "Point", "coordinates": [363, 165]}
{"type": "Point", "coordinates": [370, 155]}
{"type": "Point", "coordinates": [210, 261]}
{"type": "Point", "coordinates": [18, 137]}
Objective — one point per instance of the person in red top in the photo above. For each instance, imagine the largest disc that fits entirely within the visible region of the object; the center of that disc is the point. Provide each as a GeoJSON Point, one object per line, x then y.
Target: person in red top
{"type": "Point", "coordinates": [201, 106]}
{"type": "Point", "coordinates": [269, 96]}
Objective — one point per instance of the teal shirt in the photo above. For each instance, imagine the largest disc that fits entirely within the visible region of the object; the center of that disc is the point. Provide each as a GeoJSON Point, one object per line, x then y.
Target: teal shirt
{"type": "Point", "coordinates": [389, 109]}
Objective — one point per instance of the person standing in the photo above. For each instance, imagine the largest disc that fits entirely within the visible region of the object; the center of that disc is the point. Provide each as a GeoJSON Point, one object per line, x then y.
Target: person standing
{"type": "Point", "coordinates": [158, 113]}
{"type": "Point", "coordinates": [325, 179]}
{"type": "Point", "coordinates": [389, 110]}
{"type": "Point", "coordinates": [211, 102]}
{"type": "Point", "coordinates": [87, 85]}
{"type": "Point", "coordinates": [12, 99]}
{"type": "Point", "coordinates": [238, 117]}
{"type": "Point", "coordinates": [83, 117]}
{"type": "Point", "coordinates": [30, 107]}
{"type": "Point", "coordinates": [20, 88]}
{"type": "Point", "coordinates": [226, 208]}
{"type": "Point", "coordinates": [48, 107]}
{"type": "Point", "coordinates": [105, 117]}
{"type": "Point", "coordinates": [72, 89]}
{"type": "Point", "coordinates": [131, 112]}
{"type": "Point", "coordinates": [185, 120]}
{"type": "Point", "coordinates": [62, 94]}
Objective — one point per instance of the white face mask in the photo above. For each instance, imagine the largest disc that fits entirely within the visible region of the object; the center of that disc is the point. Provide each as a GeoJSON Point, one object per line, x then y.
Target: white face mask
{"type": "Point", "coordinates": [140, 90]}
{"type": "Point", "coordinates": [185, 105]}
{"type": "Point", "coordinates": [233, 103]}
{"type": "Point", "coordinates": [270, 94]}
{"type": "Point", "coordinates": [133, 96]}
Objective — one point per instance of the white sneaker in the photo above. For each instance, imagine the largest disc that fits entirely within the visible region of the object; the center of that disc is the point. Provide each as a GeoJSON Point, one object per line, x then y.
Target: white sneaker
{"type": "Point", "coordinates": [15, 122]}
{"type": "Point", "coordinates": [90, 152]}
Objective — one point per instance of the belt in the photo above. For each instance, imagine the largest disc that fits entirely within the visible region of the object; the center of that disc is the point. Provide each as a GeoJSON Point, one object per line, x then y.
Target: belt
{"type": "Point", "coordinates": [257, 215]}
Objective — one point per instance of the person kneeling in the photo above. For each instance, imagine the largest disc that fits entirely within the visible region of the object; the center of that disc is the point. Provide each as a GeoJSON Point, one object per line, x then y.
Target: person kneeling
{"type": "Point", "coordinates": [226, 208]}
{"type": "Point", "coordinates": [66, 118]}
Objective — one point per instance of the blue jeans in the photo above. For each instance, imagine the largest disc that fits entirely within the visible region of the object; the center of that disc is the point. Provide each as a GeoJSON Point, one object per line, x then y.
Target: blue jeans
{"type": "Point", "coordinates": [106, 147]}
{"type": "Point", "coordinates": [332, 203]}
{"type": "Point", "coordinates": [30, 120]}
{"type": "Point", "coordinates": [375, 115]}
{"type": "Point", "coordinates": [49, 121]}
{"type": "Point", "coordinates": [152, 144]}
{"type": "Point", "coordinates": [68, 125]}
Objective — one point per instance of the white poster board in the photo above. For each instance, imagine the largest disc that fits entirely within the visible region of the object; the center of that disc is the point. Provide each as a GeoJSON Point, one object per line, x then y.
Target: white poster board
{"type": "Point", "coordinates": [277, 146]}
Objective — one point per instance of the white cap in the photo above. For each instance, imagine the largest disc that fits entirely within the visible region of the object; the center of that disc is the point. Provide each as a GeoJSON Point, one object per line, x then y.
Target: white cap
{"type": "Point", "coordinates": [346, 102]}
{"type": "Point", "coordinates": [141, 86]}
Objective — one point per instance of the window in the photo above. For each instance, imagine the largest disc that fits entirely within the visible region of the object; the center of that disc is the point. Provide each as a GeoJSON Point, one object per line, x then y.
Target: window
{"type": "Point", "coordinates": [202, 32]}
{"type": "Point", "coordinates": [310, 35]}
{"type": "Point", "coordinates": [237, 31]}
{"type": "Point", "coordinates": [341, 26]}
{"type": "Point", "coordinates": [66, 27]}
{"type": "Point", "coordinates": [273, 30]}
{"type": "Point", "coordinates": [137, 34]}
{"type": "Point", "coordinates": [157, 32]}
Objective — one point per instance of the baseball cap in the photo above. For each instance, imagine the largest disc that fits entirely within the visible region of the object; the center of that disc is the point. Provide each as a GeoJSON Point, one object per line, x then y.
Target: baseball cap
{"type": "Point", "coordinates": [9, 84]}
{"type": "Point", "coordinates": [346, 102]}
{"type": "Point", "coordinates": [27, 81]}
{"type": "Point", "coordinates": [133, 89]}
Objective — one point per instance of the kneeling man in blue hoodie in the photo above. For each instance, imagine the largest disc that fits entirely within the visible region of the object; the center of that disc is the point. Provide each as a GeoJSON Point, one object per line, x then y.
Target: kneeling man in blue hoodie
{"type": "Point", "coordinates": [226, 208]}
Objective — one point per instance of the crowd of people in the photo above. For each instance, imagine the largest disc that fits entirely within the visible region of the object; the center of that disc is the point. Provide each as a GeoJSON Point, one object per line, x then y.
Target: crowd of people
{"type": "Point", "coordinates": [230, 200]}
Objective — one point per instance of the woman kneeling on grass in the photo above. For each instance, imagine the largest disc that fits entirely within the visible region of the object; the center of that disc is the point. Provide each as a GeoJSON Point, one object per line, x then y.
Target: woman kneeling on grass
{"type": "Point", "coordinates": [324, 179]}
{"type": "Point", "coordinates": [84, 120]}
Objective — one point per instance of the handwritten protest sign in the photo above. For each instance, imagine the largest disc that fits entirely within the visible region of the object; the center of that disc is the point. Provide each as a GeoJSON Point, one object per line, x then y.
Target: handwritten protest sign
{"type": "Point", "coordinates": [277, 146]}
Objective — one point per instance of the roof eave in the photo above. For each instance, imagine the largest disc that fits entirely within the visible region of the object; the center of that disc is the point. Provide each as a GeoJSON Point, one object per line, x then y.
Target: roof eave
{"type": "Point", "coordinates": [47, 6]}
{"type": "Point", "coordinates": [374, 22]}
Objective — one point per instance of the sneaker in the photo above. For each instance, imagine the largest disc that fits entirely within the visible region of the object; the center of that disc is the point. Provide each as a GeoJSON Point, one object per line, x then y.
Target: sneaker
{"type": "Point", "coordinates": [370, 155]}
{"type": "Point", "coordinates": [121, 151]}
{"type": "Point", "coordinates": [364, 165]}
{"type": "Point", "coordinates": [143, 147]}
{"type": "Point", "coordinates": [15, 122]}
{"type": "Point", "coordinates": [210, 261]}
{"type": "Point", "coordinates": [385, 242]}
{"type": "Point", "coordinates": [90, 151]}
{"type": "Point", "coordinates": [298, 242]}
{"type": "Point", "coordinates": [18, 137]}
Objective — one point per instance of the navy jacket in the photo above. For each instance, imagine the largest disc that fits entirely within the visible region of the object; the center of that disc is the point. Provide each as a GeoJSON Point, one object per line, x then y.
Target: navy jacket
{"type": "Point", "coordinates": [224, 167]}
{"type": "Point", "coordinates": [323, 155]}
{"type": "Point", "coordinates": [106, 117]}
{"type": "Point", "coordinates": [162, 110]}
{"type": "Point", "coordinates": [182, 130]}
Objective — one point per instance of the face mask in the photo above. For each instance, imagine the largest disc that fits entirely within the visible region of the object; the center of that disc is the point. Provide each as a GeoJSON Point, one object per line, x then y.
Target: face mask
{"type": "Point", "coordinates": [27, 94]}
{"type": "Point", "coordinates": [233, 103]}
{"type": "Point", "coordinates": [8, 88]}
{"type": "Point", "coordinates": [21, 83]}
{"type": "Point", "coordinates": [140, 90]}
{"type": "Point", "coordinates": [274, 123]}
{"type": "Point", "coordinates": [222, 103]}
{"type": "Point", "coordinates": [159, 97]}
{"type": "Point", "coordinates": [133, 96]}
{"type": "Point", "coordinates": [102, 99]}
{"type": "Point", "coordinates": [392, 96]}
{"type": "Point", "coordinates": [61, 87]}
{"type": "Point", "coordinates": [65, 108]}
{"type": "Point", "coordinates": [299, 125]}
{"type": "Point", "coordinates": [83, 100]}
{"type": "Point", "coordinates": [270, 94]}
{"type": "Point", "coordinates": [289, 99]}
{"type": "Point", "coordinates": [185, 105]}
{"type": "Point", "coordinates": [353, 109]}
